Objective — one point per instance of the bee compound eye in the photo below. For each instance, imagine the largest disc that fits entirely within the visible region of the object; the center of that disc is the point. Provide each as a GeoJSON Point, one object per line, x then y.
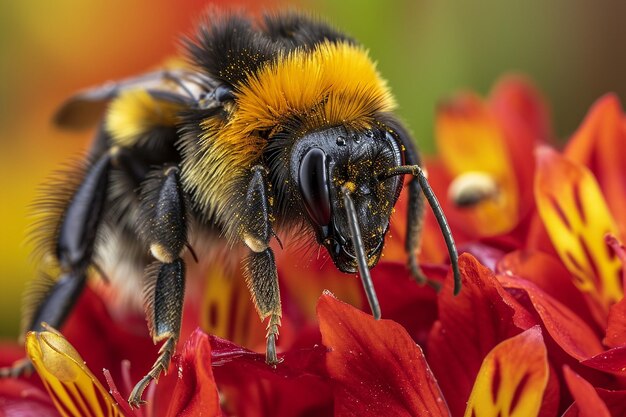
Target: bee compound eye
{"type": "Point", "coordinates": [314, 187]}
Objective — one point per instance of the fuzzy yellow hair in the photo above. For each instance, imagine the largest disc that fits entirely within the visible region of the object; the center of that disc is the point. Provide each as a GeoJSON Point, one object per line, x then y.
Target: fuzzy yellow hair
{"type": "Point", "coordinates": [341, 77]}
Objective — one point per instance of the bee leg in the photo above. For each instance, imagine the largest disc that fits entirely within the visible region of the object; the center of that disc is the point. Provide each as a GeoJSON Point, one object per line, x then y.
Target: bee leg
{"type": "Point", "coordinates": [259, 265]}
{"type": "Point", "coordinates": [417, 172]}
{"type": "Point", "coordinates": [164, 225]}
{"type": "Point", "coordinates": [74, 249]}
{"type": "Point", "coordinates": [55, 307]}
{"type": "Point", "coordinates": [262, 280]}
{"type": "Point", "coordinates": [415, 216]}
{"type": "Point", "coordinates": [164, 307]}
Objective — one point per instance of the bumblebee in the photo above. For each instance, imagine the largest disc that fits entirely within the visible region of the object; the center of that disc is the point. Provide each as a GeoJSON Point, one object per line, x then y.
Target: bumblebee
{"type": "Point", "coordinates": [268, 125]}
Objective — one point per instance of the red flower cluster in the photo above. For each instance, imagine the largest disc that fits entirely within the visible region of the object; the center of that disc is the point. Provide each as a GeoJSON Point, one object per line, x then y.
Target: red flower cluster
{"type": "Point", "coordinates": [539, 328]}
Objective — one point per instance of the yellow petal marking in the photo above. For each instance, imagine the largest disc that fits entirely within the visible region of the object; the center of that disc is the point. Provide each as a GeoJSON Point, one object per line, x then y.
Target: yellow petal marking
{"type": "Point", "coordinates": [512, 378]}
{"type": "Point", "coordinates": [226, 306]}
{"type": "Point", "coordinates": [576, 217]}
{"type": "Point", "coordinates": [74, 390]}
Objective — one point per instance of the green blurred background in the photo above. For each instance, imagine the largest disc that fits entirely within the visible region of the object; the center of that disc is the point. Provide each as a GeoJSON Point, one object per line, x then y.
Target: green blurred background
{"type": "Point", "coordinates": [573, 49]}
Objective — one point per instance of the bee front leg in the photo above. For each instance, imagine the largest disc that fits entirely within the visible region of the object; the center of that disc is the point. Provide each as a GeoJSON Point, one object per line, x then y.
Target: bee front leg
{"type": "Point", "coordinates": [415, 218]}
{"type": "Point", "coordinates": [262, 280]}
{"type": "Point", "coordinates": [163, 225]}
{"type": "Point", "coordinates": [415, 213]}
{"type": "Point", "coordinates": [259, 265]}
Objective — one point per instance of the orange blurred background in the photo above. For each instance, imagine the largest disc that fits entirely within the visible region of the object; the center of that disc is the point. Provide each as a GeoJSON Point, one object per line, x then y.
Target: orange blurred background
{"type": "Point", "coordinates": [48, 50]}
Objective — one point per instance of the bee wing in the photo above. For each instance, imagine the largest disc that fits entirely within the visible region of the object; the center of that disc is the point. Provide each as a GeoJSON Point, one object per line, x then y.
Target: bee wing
{"type": "Point", "coordinates": [86, 108]}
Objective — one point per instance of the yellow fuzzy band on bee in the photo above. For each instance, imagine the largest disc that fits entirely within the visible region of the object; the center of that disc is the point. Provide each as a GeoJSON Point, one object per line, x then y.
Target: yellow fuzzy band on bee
{"type": "Point", "coordinates": [135, 113]}
{"type": "Point", "coordinates": [337, 79]}
{"type": "Point", "coordinates": [333, 84]}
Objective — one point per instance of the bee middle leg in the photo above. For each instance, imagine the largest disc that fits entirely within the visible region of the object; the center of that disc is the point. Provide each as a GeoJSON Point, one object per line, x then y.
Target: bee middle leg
{"type": "Point", "coordinates": [164, 304]}
{"type": "Point", "coordinates": [259, 265]}
{"type": "Point", "coordinates": [163, 225]}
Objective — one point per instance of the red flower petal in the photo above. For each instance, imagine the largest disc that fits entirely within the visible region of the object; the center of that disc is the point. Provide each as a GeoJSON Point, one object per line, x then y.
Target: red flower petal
{"type": "Point", "coordinates": [549, 274]}
{"type": "Point", "coordinates": [587, 399]}
{"type": "Point", "coordinates": [376, 368]}
{"type": "Point", "coordinates": [525, 122]}
{"type": "Point", "coordinates": [612, 360]}
{"type": "Point", "coordinates": [195, 392]}
{"type": "Point", "coordinates": [105, 342]}
{"type": "Point", "coordinates": [614, 400]}
{"type": "Point", "coordinates": [599, 144]}
{"type": "Point", "coordinates": [251, 388]}
{"type": "Point", "coordinates": [616, 328]}
{"type": "Point", "coordinates": [517, 103]}
{"type": "Point", "coordinates": [551, 396]}
{"type": "Point", "coordinates": [10, 352]}
{"type": "Point", "coordinates": [404, 301]}
{"type": "Point", "coordinates": [19, 398]}
{"type": "Point", "coordinates": [571, 333]}
{"type": "Point", "coordinates": [512, 378]}
{"type": "Point", "coordinates": [469, 326]}
{"type": "Point", "coordinates": [487, 254]}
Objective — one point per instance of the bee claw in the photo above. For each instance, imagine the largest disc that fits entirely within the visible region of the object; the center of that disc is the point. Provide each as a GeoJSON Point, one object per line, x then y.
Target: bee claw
{"type": "Point", "coordinates": [136, 403]}
{"type": "Point", "coordinates": [135, 400]}
{"type": "Point", "coordinates": [160, 366]}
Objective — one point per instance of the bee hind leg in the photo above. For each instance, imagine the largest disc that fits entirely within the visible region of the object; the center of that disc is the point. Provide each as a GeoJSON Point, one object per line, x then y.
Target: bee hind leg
{"type": "Point", "coordinates": [259, 265]}
{"type": "Point", "coordinates": [74, 244]}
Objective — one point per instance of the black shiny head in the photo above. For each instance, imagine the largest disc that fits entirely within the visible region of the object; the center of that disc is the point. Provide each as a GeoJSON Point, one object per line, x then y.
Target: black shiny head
{"type": "Point", "coordinates": [328, 163]}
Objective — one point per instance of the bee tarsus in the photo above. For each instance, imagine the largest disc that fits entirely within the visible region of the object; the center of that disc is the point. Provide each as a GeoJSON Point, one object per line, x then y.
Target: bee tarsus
{"type": "Point", "coordinates": [164, 296]}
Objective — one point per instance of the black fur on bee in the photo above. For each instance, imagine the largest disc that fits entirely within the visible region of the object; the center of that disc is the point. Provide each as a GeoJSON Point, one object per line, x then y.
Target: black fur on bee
{"type": "Point", "coordinates": [280, 123]}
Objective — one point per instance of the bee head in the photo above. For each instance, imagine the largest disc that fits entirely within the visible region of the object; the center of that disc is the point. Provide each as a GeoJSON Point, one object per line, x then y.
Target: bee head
{"type": "Point", "coordinates": [330, 163]}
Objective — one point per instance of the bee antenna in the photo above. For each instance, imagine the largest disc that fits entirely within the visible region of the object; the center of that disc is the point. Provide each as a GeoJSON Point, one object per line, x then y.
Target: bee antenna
{"type": "Point", "coordinates": [357, 242]}
{"type": "Point", "coordinates": [418, 172]}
